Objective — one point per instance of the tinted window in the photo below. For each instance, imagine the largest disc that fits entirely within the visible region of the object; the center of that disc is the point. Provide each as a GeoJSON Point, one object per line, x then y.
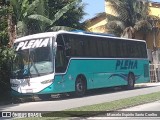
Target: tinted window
{"type": "Point", "coordinates": [60, 62]}
{"type": "Point", "coordinates": [90, 46]}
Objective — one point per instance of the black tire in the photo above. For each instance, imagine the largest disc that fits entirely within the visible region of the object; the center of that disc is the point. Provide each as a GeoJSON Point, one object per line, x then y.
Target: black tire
{"type": "Point", "coordinates": [131, 81]}
{"type": "Point", "coordinates": [44, 96]}
{"type": "Point", "coordinates": [80, 86]}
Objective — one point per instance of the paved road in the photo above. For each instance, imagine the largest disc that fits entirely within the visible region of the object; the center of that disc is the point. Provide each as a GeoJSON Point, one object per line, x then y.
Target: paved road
{"type": "Point", "coordinates": [93, 97]}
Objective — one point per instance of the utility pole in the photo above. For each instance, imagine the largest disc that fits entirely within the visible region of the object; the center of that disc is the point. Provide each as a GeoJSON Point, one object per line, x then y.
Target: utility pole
{"type": "Point", "coordinates": [154, 29]}
{"type": "Point", "coordinates": [155, 50]}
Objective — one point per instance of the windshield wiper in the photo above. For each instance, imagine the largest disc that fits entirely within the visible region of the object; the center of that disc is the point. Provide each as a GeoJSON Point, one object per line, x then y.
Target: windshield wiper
{"type": "Point", "coordinates": [35, 68]}
{"type": "Point", "coordinates": [32, 63]}
{"type": "Point", "coordinates": [27, 72]}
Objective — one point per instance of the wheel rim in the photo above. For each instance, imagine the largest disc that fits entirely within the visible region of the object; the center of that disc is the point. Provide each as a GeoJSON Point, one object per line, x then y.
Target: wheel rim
{"type": "Point", "coordinates": [80, 86]}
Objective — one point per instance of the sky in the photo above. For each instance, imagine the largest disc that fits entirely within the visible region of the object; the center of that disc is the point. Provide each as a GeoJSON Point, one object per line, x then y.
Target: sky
{"type": "Point", "coordinates": [96, 6]}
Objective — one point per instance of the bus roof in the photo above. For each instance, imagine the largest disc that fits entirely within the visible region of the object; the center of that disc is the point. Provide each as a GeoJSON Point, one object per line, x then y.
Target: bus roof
{"type": "Point", "coordinates": [100, 35]}
{"type": "Point", "coordinates": [51, 34]}
{"type": "Point", "coordinates": [93, 33]}
{"type": "Point", "coordinates": [34, 36]}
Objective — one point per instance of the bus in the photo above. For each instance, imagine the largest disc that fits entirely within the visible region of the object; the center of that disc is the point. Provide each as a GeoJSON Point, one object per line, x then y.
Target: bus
{"type": "Point", "coordinates": [74, 62]}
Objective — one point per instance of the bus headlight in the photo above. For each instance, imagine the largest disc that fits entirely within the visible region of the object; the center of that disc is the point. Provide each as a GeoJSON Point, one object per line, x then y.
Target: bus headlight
{"type": "Point", "coordinates": [14, 85]}
{"type": "Point", "coordinates": [46, 81]}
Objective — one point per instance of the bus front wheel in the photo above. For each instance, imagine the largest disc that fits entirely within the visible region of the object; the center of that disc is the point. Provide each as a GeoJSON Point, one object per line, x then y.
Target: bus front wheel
{"type": "Point", "coordinates": [131, 81]}
{"type": "Point", "coordinates": [80, 86]}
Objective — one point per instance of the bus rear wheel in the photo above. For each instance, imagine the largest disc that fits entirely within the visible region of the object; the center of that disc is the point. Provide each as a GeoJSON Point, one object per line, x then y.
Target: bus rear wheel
{"type": "Point", "coordinates": [131, 81]}
{"type": "Point", "coordinates": [80, 86]}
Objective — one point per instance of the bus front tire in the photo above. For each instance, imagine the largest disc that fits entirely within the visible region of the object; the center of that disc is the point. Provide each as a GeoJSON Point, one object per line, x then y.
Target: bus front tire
{"type": "Point", "coordinates": [80, 86]}
{"type": "Point", "coordinates": [131, 81]}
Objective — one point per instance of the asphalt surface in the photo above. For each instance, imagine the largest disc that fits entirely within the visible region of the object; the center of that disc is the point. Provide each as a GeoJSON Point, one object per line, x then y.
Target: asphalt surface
{"type": "Point", "coordinates": [104, 95]}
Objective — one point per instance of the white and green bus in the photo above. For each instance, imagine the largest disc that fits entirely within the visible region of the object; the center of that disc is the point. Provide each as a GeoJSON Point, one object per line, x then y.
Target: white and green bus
{"type": "Point", "coordinates": [62, 62]}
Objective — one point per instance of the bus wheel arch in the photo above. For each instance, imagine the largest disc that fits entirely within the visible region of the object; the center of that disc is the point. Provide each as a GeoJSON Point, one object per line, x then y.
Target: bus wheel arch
{"type": "Point", "coordinates": [80, 85]}
{"type": "Point", "coordinates": [130, 80]}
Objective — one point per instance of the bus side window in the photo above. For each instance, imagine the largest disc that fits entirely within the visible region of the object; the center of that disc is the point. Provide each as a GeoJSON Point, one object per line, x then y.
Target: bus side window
{"type": "Point", "coordinates": [112, 48]}
{"type": "Point", "coordinates": [67, 46]}
{"type": "Point", "coordinates": [144, 52]}
{"type": "Point", "coordinates": [60, 62]}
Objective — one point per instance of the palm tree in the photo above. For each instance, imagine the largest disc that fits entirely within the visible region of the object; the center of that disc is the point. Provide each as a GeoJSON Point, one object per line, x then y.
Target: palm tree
{"type": "Point", "coordinates": [22, 9]}
{"type": "Point", "coordinates": [72, 18]}
{"type": "Point", "coordinates": [31, 16]}
{"type": "Point", "coordinates": [50, 23]}
{"type": "Point", "coordinates": [130, 16]}
{"type": "Point", "coordinates": [3, 26]}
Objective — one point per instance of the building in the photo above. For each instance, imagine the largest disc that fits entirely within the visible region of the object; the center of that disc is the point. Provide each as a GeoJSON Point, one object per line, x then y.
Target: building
{"type": "Point", "coordinates": [98, 24]}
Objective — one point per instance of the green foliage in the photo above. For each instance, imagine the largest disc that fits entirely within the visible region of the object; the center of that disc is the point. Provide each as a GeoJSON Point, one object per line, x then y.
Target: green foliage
{"type": "Point", "coordinates": [34, 16]}
{"type": "Point", "coordinates": [6, 53]}
{"type": "Point", "coordinates": [21, 10]}
{"type": "Point", "coordinates": [72, 17]}
{"type": "Point", "coordinates": [3, 26]}
{"type": "Point", "coordinates": [61, 15]}
{"type": "Point", "coordinates": [130, 14]}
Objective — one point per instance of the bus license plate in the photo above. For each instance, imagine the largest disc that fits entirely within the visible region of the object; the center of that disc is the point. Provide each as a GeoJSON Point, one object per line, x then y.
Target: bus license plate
{"type": "Point", "coordinates": [29, 90]}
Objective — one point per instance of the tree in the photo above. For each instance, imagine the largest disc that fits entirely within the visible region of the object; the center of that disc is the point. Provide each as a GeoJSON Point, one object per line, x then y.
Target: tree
{"type": "Point", "coordinates": [3, 26]}
{"type": "Point", "coordinates": [6, 53]}
{"type": "Point", "coordinates": [131, 16]}
{"type": "Point", "coordinates": [22, 9]}
{"type": "Point", "coordinates": [34, 16]}
{"type": "Point", "coordinates": [63, 14]}
{"type": "Point", "coordinates": [72, 17]}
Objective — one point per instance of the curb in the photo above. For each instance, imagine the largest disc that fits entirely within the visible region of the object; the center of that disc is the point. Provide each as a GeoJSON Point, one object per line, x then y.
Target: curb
{"type": "Point", "coordinates": [147, 84]}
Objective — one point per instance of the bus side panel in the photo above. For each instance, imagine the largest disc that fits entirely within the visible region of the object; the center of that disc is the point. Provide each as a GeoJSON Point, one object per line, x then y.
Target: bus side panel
{"type": "Point", "coordinates": [61, 83]}
{"type": "Point", "coordinates": [109, 72]}
{"type": "Point", "coordinates": [142, 73]}
{"type": "Point", "coordinates": [139, 67]}
{"type": "Point", "coordinates": [99, 73]}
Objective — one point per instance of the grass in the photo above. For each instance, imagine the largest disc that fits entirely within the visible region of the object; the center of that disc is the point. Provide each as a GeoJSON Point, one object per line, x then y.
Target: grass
{"type": "Point", "coordinates": [96, 109]}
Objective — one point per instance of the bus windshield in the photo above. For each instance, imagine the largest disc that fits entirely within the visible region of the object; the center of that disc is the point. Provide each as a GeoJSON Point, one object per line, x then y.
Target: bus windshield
{"type": "Point", "coordinates": [32, 62]}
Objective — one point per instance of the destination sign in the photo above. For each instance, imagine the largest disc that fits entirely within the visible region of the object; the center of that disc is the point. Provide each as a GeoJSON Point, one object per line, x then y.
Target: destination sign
{"type": "Point", "coordinates": [42, 42]}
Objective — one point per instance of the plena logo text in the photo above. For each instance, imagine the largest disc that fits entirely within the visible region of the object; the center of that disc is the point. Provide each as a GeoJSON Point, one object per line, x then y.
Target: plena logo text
{"type": "Point", "coordinates": [32, 44]}
{"type": "Point", "coordinates": [126, 64]}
